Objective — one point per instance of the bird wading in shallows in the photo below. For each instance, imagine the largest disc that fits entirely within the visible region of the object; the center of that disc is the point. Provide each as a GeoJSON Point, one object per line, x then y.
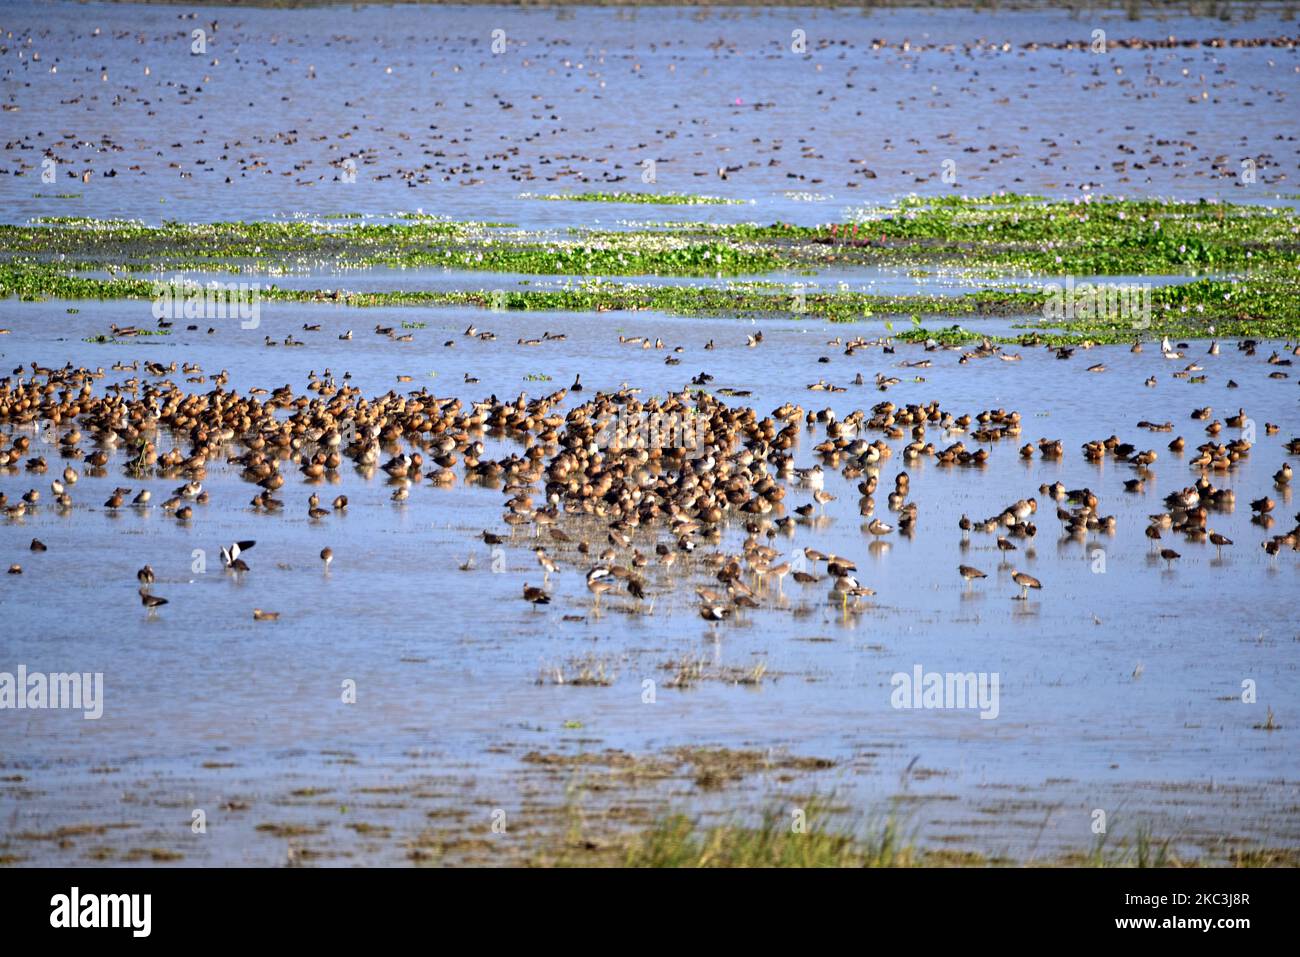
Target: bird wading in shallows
{"type": "Point", "coordinates": [150, 601]}
{"type": "Point", "coordinates": [535, 596]}
{"type": "Point", "coordinates": [1025, 582]}
{"type": "Point", "coordinates": [230, 555]}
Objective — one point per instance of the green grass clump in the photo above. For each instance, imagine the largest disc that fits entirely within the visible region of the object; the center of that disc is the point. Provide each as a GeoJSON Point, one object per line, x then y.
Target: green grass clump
{"type": "Point", "coordinates": [678, 841]}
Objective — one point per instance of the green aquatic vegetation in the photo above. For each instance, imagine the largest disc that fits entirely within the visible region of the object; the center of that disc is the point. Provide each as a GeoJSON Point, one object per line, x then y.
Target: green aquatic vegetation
{"type": "Point", "coordinates": [1263, 306]}
{"type": "Point", "coordinates": [434, 218]}
{"type": "Point", "coordinates": [174, 245]}
{"type": "Point", "coordinates": [747, 300]}
{"type": "Point", "coordinates": [1101, 236]}
{"type": "Point", "coordinates": [1252, 248]}
{"type": "Point", "coordinates": [628, 255]}
{"type": "Point", "coordinates": [995, 236]}
{"type": "Point", "coordinates": [992, 199]}
{"type": "Point", "coordinates": [81, 222]}
{"type": "Point", "coordinates": [33, 282]}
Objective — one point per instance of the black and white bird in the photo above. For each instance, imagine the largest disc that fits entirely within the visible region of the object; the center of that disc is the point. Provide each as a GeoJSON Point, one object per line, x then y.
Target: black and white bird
{"type": "Point", "coordinates": [230, 555]}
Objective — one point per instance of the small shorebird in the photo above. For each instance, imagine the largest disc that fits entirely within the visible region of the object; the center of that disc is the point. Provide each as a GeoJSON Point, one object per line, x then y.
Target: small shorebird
{"type": "Point", "coordinates": [1168, 554]}
{"type": "Point", "coordinates": [878, 528]}
{"type": "Point", "coordinates": [151, 602]}
{"type": "Point", "coordinates": [1153, 534]}
{"type": "Point", "coordinates": [145, 575]}
{"type": "Point", "coordinates": [636, 588]}
{"type": "Point", "coordinates": [1218, 541]}
{"type": "Point", "coordinates": [1025, 582]}
{"type": "Point", "coordinates": [259, 615]}
{"type": "Point", "coordinates": [547, 563]}
{"type": "Point", "coordinates": [846, 585]}
{"type": "Point", "coordinates": [230, 556]}
{"type": "Point", "coordinates": [714, 612]}
{"type": "Point", "coordinates": [535, 595]}
{"type": "Point", "coordinates": [327, 556]}
{"type": "Point", "coordinates": [970, 573]}
{"type": "Point", "coordinates": [598, 583]}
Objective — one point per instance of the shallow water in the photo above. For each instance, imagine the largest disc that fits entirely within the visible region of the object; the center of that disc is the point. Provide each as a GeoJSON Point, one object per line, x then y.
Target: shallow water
{"type": "Point", "coordinates": [1119, 688]}
{"type": "Point", "coordinates": [446, 660]}
{"type": "Point", "coordinates": [581, 97]}
{"type": "Point", "coordinates": [872, 280]}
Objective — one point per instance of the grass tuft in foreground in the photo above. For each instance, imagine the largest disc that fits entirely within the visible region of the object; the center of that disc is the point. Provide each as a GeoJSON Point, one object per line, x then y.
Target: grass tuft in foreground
{"type": "Point", "coordinates": [678, 841]}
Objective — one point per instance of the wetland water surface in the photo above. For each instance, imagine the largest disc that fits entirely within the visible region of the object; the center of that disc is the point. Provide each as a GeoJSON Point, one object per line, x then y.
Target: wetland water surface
{"type": "Point", "coordinates": [1119, 683]}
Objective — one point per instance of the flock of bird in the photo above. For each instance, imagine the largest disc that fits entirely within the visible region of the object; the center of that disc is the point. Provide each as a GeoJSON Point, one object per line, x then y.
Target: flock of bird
{"type": "Point", "coordinates": [610, 502]}
{"type": "Point", "coordinates": [542, 89]}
